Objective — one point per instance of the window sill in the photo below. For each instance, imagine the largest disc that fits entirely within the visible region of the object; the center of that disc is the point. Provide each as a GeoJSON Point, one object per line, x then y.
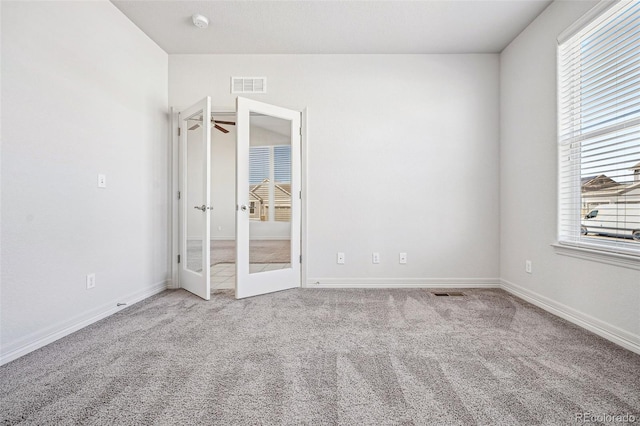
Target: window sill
{"type": "Point", "coordinates": [615, 259]}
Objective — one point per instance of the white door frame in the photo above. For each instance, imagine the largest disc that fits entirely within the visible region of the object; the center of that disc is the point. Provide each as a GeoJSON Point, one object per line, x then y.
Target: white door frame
{"type": "Point", "coordinates": [173, 164]}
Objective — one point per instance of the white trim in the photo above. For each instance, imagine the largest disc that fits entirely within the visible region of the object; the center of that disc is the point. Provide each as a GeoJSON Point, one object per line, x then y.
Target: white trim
{"type": "Point", "coordinates": [586, 19]}
{"type": "Point", "coordinates": [601, 328]}
{"type": "Point", "coordinates": [174, 187]}
{"type": "Point", "coordinates": [601, 256]}
{"type": "Point", "coordinates": [54, 332]}
{"type": "Point", "coordinates": [304, 212]}
{"type": "Point", "coordinates": [402, 283]}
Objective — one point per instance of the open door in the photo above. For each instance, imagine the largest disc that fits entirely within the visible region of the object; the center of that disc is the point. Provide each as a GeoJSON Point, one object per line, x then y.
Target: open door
{"type": "Point", "coordinates": [267, 198]}
{"type": "Point", "coordinates": [195, 189]}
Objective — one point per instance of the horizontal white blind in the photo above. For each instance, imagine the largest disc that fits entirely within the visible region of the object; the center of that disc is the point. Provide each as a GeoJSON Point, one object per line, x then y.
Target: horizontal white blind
{"type": "Point", "coordinates": [599, 132]}
{"type": "Point", "coordinates": [259, 164]}
{"type": "Point", "coordinates": [282, 163]}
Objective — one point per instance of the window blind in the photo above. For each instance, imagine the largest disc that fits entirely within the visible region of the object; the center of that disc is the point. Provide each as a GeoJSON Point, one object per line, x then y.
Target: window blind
{"type": "Point", "coordinates": [599, 131]}
{"type": "Point", "coordinates": [259, 164]}
{"type": "Point", "coordinates": [282, 163]}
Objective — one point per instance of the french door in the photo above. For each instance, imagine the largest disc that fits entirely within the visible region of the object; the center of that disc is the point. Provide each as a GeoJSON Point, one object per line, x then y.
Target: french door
{"type": "Point", "coordinates": [195, 207]}
{"type": "Point", "coordinates": [267, 198]}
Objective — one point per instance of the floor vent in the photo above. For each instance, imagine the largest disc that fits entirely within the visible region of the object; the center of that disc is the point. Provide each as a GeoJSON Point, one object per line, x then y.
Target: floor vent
{"type": "Point", "coordinates": [248, 84]}
{"type": "Point", "coordinates": [451, 293]}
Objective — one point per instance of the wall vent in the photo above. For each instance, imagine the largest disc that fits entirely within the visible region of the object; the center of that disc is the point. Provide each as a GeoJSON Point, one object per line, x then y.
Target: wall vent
{"type": "Point", "coordinates": [248, 84]}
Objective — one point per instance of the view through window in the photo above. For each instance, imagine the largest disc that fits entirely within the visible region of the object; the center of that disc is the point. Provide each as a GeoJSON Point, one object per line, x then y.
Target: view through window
{"type": "Point", "coordinates": [270, 183]}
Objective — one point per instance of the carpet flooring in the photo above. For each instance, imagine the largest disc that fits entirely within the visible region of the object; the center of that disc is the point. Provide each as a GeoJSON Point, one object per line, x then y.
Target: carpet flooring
{"type": "Point", "coordinates": [311, 356]}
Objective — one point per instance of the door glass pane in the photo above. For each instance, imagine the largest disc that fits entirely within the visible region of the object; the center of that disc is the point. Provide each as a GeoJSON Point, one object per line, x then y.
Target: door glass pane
{"type": "Point", "coordinates": [194, 192]}
{"type": "Point", "coordinates": [269, 193]}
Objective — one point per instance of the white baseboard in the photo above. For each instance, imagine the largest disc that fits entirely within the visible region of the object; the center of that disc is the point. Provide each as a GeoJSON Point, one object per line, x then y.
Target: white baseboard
{"type": "Point", "coordinates": [43, 337]}
{"type": "Point", "coordinates": [403, 283]}
{"type": "Point", "coordinates": [601, 328]}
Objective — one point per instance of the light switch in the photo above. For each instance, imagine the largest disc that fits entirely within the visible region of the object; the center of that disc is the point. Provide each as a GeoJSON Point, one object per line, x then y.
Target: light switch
{"type": "Point", "coordinates": [102, 181]}
{"type": "Point", "coordinates": [340, 258]}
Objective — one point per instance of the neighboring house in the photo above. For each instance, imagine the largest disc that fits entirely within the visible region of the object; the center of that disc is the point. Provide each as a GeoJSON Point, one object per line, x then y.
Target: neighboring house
{"type": "Point", "coordinates": [602, 189]}
{"type": "Point", "coordinates": [596, 183]}
{"type": "Point", "coordinates": [636, 172]}
{"type": "Point", "coordinates": [259, 201]}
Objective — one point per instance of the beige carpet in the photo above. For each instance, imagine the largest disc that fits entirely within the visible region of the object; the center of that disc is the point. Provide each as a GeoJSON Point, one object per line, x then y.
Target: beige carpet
{"type": "Point", "coordinates": [324, 357]}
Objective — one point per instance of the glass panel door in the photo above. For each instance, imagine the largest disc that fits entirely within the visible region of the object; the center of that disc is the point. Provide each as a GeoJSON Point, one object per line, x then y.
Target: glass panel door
{"type": "Point", "coordinates": [268, 184]}
{"type": "Point", "coordinates": [195, 183]}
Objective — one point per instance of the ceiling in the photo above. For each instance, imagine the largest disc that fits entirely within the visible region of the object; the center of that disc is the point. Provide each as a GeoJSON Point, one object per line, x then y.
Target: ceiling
{"type": "Point", "coordinates": [331, 26]}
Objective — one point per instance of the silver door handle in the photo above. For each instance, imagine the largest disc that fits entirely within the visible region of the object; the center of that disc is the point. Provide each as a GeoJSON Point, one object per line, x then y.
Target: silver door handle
{"type": "Point", "coordinates": [243, 208]}
{"type": "Point", "coordinates": [202, 207]}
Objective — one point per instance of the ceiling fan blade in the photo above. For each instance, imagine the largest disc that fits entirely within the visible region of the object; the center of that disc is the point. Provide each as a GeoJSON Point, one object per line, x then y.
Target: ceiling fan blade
{"type": "Point", "coordinates": [222, 129]}
{"type": "Point", "coordinates": [231, 123]}
{"type": "Point", "coordinates": [195, 126]}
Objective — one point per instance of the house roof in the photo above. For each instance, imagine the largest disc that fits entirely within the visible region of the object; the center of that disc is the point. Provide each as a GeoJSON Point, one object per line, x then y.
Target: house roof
{"type": "Point", "coordinates": [596, 183]}
{"type": "Point", "coordinates": [616, 191]}
{"type": "Point", "coordinates": [260, 191]}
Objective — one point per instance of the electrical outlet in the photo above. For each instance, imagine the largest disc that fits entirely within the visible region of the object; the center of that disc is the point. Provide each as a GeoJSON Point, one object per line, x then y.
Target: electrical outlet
{"type": "Point", "coordinates": [527, 267]}
{"type": "Point", "coordinates": [403, 258]}
{"type": "Point", "coordinates": [340, 258]}
{"type": "Point", "coordinates": [91, 281]}
{"type": "Point", "coordinates": [375, 258]}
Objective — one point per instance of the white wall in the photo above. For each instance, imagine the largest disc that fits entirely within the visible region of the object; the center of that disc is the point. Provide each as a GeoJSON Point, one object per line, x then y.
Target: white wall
{"type": "Point", "coordinates": [83, 92]}
{"type": "Point", "coordinates": [402, 157]}
{"type": "Point", "coordinates": [603, 297]}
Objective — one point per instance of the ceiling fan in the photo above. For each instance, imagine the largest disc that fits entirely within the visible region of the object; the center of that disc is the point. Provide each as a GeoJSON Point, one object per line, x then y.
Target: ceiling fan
{"type": "Point", "coordinates": [215, 124]}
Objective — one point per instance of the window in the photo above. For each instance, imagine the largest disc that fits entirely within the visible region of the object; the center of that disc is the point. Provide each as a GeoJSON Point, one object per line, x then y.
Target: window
{"type": "Point", "coordinates": [592, 214]}
{"type": "Point", "coordinates": [270, 183]}
{"type": "Point", "coordinates": [599, 131]}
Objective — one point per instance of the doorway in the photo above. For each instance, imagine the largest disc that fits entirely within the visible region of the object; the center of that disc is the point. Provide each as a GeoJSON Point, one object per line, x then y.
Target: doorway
{"type": "Point", "coordinates": [254, 199]}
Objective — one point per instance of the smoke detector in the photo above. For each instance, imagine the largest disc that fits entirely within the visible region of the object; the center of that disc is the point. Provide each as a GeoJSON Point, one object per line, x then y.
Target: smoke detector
{"type": "Point", "coordinates": [200, 21]}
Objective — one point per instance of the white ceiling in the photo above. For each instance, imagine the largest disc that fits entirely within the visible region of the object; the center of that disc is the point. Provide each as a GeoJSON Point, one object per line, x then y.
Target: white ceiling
{"type": "Point", "coordinates": [347, 26]}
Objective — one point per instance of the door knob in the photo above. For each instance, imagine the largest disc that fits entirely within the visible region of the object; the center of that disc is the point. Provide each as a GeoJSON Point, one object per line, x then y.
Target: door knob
{"type": "Point", "coordinates": [202, 207]}
{"type": "Point", "coordinates": [243, 208]}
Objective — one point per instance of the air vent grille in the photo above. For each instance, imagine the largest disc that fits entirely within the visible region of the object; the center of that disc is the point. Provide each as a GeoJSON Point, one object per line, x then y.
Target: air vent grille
{"type": "Point", "coordinates": [248, 84]}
